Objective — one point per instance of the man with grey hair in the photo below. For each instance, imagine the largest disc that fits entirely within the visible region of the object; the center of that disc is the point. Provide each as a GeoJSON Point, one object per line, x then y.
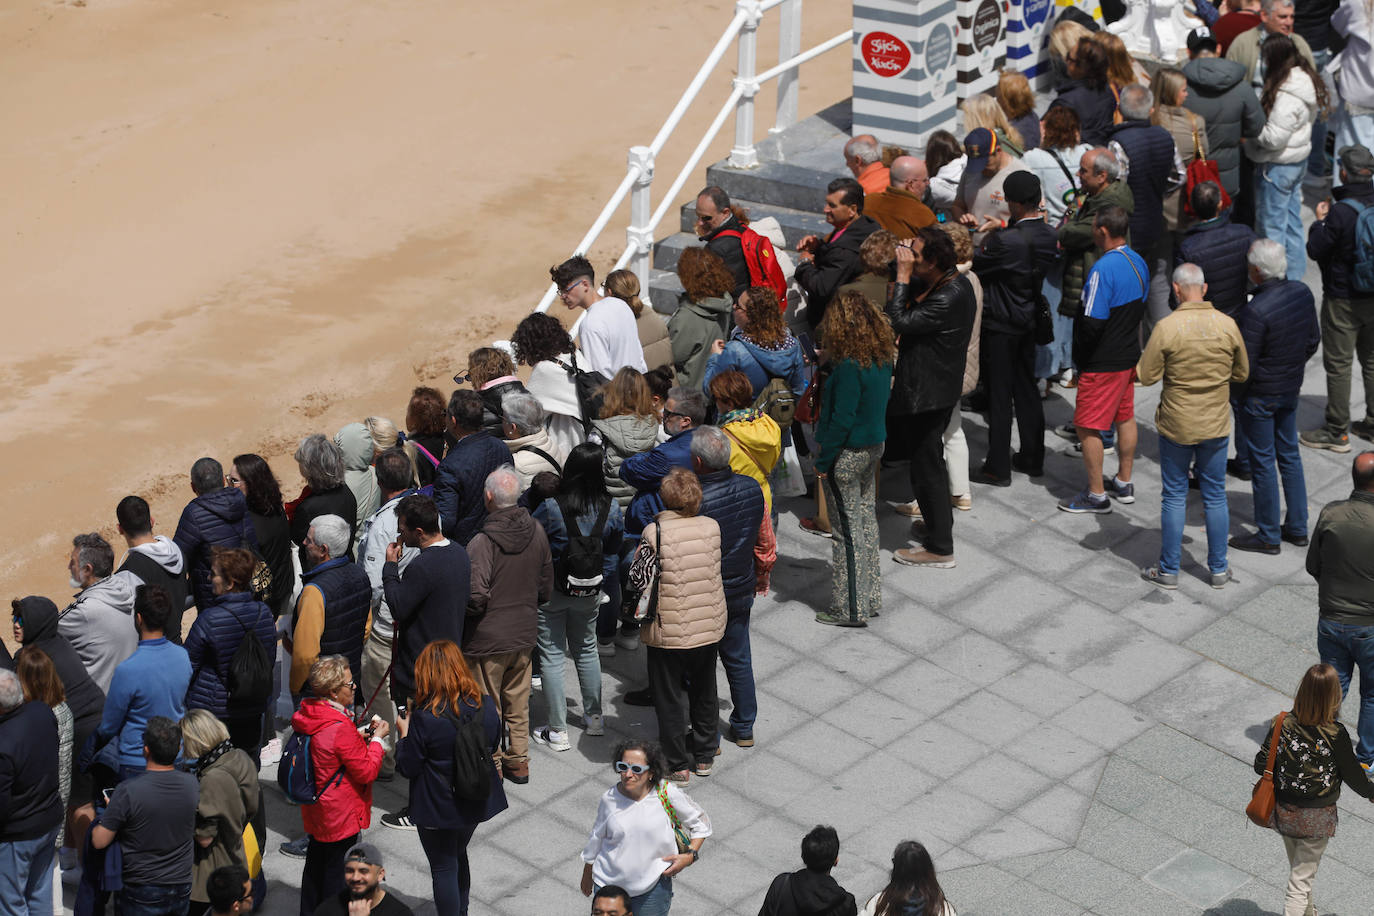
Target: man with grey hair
{"type": "Point", "coordinates": [863, 156]}
{"type": "Point", "coordinates": [746, 552]}
{"type": "Point", "coordinates": [99, 623]}
{"type": "Point", "coordinates": [216, 517]}
{"type": "Point", "coordinates": [30, 807]}
{"type": "Point", "coordinates": [1152, 169]}
{"type": "Point", "coordinates": [1276, 18]}
{"type": "Point", "coordinates": [900, 207]}
{"type": "Point", "coordinates": [683, 411]}
{"type": "Point", "coordinates": [334, 606]}
{"type": "Point", "coordinates": [532, 448]}
{"type": "Point", "coordinates": [512, 574]}
{"type": "Point", "coordinates": [1199, 353]}
{"type": "Point", "coordinates": [1281, 333]}
{"type": "Point", "coordinates": [1100, 184]}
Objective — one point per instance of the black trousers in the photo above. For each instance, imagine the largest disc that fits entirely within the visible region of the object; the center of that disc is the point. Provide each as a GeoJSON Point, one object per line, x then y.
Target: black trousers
{"type": "Point", "coordinates": [924, 437]}
{"type": "Point", "coordinates": [323, 874]}
{"type": "Point", "coordinates": [1009, 370]}
{"type": "Point", "coordinates": [683, 682]}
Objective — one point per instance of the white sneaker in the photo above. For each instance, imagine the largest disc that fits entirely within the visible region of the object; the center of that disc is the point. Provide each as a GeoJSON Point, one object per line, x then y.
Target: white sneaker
{"type": "Point", "coordinates": [551, 738]}
{"type": "Point", "coordinates": [596, 726]}
{"type": "Point", "coordinates": [271, 752]}
{"type": "Point", "coordinates": [536, 681]}
{"type": "Point", "coordinates": [627, 641]}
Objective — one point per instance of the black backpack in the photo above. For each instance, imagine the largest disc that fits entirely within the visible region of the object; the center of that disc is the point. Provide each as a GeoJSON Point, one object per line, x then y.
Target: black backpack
{"type": "Point", "coordinates": [578, 571]}
{"type": "Point", "coordinates": [472, 765]}
{"type": "Point", "coordinates": [588, 385]}
{"type": "Point", "coordinates": [250, 672]}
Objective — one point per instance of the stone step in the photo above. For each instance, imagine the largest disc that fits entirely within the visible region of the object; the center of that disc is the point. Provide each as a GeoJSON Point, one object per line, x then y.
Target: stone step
{"type": "Point", "coordinates": [664, 290]}
{"type": "Point", "coordinates": [668, 250]}
{"type": "Point", "coordinates": [783, 184]}
{"type": "Point", "coordinates": [795, 223]}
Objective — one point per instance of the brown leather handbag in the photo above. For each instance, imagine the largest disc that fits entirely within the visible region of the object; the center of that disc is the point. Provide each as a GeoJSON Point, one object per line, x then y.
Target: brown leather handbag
{"type": "Point", "coordinates": [1261, 807]}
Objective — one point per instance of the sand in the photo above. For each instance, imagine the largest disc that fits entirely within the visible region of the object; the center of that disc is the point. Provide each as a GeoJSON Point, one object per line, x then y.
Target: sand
{"type": "Point", "coordinates": [228, 226]}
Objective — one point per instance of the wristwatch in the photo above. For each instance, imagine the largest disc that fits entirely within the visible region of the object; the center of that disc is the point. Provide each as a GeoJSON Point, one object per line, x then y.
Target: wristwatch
{"type": "Point", "coordinates": [694, 853]}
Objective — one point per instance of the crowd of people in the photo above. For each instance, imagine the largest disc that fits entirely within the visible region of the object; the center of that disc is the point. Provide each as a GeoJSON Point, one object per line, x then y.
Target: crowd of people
{"type": "Point", "coordinates": [431, 578]}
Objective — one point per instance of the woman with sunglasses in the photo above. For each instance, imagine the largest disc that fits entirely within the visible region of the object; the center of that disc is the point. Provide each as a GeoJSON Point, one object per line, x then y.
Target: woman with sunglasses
{"type": "Point", "coordinates": [346, 760]}
{"type": "Point", "coordinates": [634, 842]}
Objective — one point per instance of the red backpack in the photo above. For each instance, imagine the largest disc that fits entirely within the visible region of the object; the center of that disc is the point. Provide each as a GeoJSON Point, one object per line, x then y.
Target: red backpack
{"type": "Point", "coordinates": [764, 269]}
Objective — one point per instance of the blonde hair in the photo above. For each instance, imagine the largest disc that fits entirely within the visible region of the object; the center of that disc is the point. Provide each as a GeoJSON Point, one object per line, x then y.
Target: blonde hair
{"type": "Point", "coordinates": [1064, 38]}
{"type": "Point", "coordinates": [1014, 94]}
{"type": "Point", "coordinates": [983, 111]}
{"type": "Point", "coordinates": [328, 674]}
{"type": "Point", "coordinates": [623, 284]}
{"type": "Point", "coordinates": [963, 242]}
{"type": "Point", "coordinates": [382, 431]}
{"type": "Point", "coordinates": [1120, 64]}
{"type": "Point", "coordinates": [681, 492]}
{"type": "Point", "coordinates": [202, 732]}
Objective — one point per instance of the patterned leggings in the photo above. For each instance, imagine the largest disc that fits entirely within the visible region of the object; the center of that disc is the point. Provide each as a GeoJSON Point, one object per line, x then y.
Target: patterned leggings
{"type": "Point", "coordinates": [856, 585]}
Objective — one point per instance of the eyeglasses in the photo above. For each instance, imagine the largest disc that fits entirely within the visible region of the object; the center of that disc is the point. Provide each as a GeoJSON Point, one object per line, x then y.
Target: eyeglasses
{"type": "Point", "coordinates": [18, 621]}
{"type": "Point", "coordinates": [233, 481]}
{"type": "Point", "coordinates": [462, 378]}
{"type": "Point", "coordinates": [635, 768]}
{"type": "Point", "coordinates": [564, 293]}
{"type": "Point", "coordinates": [673, 413]}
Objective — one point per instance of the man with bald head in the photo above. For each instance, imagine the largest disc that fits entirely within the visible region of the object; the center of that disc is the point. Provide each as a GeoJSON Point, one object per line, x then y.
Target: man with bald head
{"type": "Point", "coordinates": [864, 157]}
{"type": "Point", "coordinates": [899, 208]}
{"type": "Point", "coordinates": [1341, 559]}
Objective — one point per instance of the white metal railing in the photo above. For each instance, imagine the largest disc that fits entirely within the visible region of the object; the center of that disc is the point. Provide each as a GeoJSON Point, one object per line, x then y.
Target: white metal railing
{"type": "Point", "coordinates": [639, 174]}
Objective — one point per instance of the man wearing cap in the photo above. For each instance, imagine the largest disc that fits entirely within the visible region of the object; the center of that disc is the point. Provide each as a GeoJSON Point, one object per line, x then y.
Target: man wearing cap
{"type": "Point", "coordinates": [1011, 265]}
{"type": "Point", "coordinates": [363, 892]}
{"type": "Point", "coordinates": [1347, 310]}
{"type": "Point", "coordinates": [980, 202]}
{"type": "Point", "coordinates": [899, 208]}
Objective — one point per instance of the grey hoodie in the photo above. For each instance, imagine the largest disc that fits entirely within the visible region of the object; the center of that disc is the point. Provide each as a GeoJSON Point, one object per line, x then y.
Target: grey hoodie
{"type": "Point", "coordinates": [99, 624]}
{"type": "Point", "coordinates": [1219, 92]}
{"type": "Point", "coordinates": [356, 444]}
{"type": "Point", "coordinates": [623, 436]}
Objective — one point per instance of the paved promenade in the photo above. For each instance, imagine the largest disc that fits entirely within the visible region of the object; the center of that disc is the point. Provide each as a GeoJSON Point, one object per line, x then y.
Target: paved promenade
{"type": "Point", "coordinates": [1064, 737]}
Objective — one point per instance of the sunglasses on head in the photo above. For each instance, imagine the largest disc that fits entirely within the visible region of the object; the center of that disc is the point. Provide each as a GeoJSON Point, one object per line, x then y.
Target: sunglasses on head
{"type": "Point", "coordinates": [635, 768]}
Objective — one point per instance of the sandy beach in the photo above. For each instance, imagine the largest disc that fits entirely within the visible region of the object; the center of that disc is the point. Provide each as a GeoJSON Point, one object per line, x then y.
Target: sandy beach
{"type": "Point", "coordinates": [230, 226]}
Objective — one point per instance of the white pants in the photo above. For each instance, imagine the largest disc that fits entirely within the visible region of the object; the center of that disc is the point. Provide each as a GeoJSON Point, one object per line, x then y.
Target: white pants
{"type": "Point", "coordinates": [956, 454]}
{"type": "Point", "coordinates": [1303, 858]}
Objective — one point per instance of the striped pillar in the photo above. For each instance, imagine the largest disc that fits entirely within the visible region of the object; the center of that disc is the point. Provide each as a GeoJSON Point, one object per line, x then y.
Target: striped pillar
{"type": "Point", "coordinates": [982, 45]}
{"type": "Point", "coordinates": [905, 67]}
{"type": "Point", "coordinates": [1028, 30]}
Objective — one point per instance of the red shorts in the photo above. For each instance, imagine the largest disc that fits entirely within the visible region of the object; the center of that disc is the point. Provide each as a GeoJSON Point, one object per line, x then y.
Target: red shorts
{"type": "Point", "coordinates": [1104, 398]}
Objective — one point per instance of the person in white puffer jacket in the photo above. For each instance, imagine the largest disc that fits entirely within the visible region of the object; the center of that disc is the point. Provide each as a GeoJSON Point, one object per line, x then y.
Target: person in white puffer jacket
{"type": "Point", "coordinates": [1294, 97]}
{"type": "Point", "coordinates": [1355, 76]}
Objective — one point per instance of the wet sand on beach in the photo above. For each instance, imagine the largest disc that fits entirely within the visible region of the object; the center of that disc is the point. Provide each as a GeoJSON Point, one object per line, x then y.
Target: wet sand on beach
{"type": "Point", "coordinates": [229, 226]}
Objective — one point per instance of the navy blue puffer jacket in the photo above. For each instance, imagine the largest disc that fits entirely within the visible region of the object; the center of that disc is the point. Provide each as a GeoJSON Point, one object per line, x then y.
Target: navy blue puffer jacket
{"type": "Point", "coordinates": [459, 482]}
{"type": "Point", "coordinates": [735, 502]}
{"type": "Point", "coordinates": [216, 519]}
{"type": "Point", "coordinates": [212, 642]}
{"type": "Point", "coordinates": [1281, 334]}
{"type": "Point", "coordinates": [1219, 247]}
{"type": "Point", "coordinates": [1331, 241]}
{"type": "Point", "coordinates": [1095, 109]}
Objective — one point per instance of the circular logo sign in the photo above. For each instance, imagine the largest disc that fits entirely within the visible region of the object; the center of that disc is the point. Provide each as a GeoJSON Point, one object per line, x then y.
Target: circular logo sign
{"type": "Point", "coordinates": [885, 54]}
{"type": "Point", "coordinates": [939, 49]}
{"type": "Point", "coordinates": [1034, 12]}
{"type": "Point", "coordinates": [987, 24]}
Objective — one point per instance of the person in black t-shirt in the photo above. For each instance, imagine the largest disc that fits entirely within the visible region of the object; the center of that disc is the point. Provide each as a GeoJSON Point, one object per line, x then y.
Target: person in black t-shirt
{"type": "Point", "coordinates": [364, 894]}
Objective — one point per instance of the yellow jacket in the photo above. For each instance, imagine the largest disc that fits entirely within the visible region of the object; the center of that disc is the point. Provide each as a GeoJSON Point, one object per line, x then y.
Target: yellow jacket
{"type": "Point", "coordinates": [755, 446]}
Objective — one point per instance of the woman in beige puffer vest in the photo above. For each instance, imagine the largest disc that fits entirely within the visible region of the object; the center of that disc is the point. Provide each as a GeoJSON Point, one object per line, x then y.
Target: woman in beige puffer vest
{"type": "Point", "coordinates": [689, 622]}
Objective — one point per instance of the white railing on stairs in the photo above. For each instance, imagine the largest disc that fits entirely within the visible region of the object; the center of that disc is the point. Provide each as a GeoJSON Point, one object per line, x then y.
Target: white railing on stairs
{"type": "Point", "coordinates": [639, 175]}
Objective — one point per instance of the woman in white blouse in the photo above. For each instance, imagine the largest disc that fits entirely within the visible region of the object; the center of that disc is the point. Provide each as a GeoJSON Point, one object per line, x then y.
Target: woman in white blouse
{"type": "Point", "coordinates": [632, 843]}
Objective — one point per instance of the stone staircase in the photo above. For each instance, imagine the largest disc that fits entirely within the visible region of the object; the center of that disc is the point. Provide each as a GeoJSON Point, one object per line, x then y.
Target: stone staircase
{"type": "Point", "coordinates": [788, 184]}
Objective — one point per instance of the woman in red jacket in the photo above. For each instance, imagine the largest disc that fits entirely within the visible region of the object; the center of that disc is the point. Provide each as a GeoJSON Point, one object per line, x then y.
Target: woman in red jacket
{"type": "Point", "coordinates": [346, 763]}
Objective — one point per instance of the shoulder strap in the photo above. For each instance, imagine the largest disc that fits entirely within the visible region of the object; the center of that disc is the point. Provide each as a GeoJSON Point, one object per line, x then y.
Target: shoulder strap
{"type": "Point", "coordinates": [1063, 168]}
{"type": "Point", "coordinates": [1274, 745]}
{"type": "Point", "coordinates": [732, 233]}
{"type": "Point", "coordinates": [1145, 287]}
{"type": "Point", "coordinates": [1197, 147]}
{"type": "Point", "coordinates": [425, 451]}
{"type": "Point", "coordinates": [542, 454]}
{"type": "Point", "coordinates": [745, 450]}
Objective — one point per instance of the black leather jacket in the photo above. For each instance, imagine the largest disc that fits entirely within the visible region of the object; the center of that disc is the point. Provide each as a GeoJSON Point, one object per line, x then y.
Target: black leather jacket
{"type": "Point", "coordinates": [932, 344]}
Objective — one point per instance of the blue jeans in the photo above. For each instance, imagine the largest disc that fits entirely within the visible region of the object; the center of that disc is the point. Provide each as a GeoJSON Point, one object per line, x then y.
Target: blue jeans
{"type": "Point", "coordinates": [1271, 426]}
{"type": "Point", "coordinates": [653, 902]}
{"type": "Point", "coordinates": [570, 622]}
{"type": "Point", "coordinates": [1278, 211]}
{"type": "Point", "coordinates": [26, 875]}
{"type": "Point", "coordinates": [153, 900]}
{"type": "Point", "coordinates": [447, 852]}
{"type": "Point", "coordinates": [739, 668]}
{"type": "Point", "coordinates": [1346, 647]}
{"type": "Point", "coordinates": [1057, 356]}
{"type": "Point", "coordinates": [1209, 456]}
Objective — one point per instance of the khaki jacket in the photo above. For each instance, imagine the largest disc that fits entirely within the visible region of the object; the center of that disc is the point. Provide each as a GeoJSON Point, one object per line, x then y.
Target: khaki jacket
{"type": "Point", "coordinates": [1245, 50]}
{"type": "Point", "coordinates": [1198, 352]}
{"type": "Point", "coordinates": [691, 594]}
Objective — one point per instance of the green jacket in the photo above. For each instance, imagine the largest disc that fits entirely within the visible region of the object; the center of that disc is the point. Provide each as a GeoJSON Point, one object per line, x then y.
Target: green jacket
{"type": "Point", "coordinates": [692, 329]}
{"type": "Point", "coordinates": [1341, 558]}
{"type": "Point", "coordinates": [1076, 241]}
{"type": "Point", "coordinates": [853, 409]}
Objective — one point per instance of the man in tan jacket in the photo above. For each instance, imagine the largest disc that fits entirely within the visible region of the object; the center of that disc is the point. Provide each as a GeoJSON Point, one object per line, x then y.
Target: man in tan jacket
{"type": "Point", "coordinates": [1198, 352]}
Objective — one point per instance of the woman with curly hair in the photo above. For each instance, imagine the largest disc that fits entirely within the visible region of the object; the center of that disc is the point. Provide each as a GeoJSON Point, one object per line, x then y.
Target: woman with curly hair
{"type": "Point", "coordinates": [860, 350]}
{"type": "Point", "coordinates": [425, 431]}
{"type": "Point", "coordinates": [761, 346]}
{"type": "Point", "coordinates": [703, 312]}
{"type": "Point", "coordinates": [492, 374]}
{"type": "Point", "coordinates": [541, 342]}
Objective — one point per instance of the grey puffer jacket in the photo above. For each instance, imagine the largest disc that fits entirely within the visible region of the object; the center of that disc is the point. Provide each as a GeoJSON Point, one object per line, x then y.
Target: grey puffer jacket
{"type": "Point", "coordinates": [623, 436]}
{"type": "Point", "coordinates": [1219, 92]}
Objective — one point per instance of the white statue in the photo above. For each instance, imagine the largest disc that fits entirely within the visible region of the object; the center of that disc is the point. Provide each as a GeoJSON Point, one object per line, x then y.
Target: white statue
{"type": "Point", "coordinates": [1157, 28]}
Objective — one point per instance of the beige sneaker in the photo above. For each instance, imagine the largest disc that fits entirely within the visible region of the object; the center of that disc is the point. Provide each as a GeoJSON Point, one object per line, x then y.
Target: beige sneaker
{"type": "Point", "coordinates": [909, 557]}
{"type": "Point", "coordinates": [910, 510]}
{"type": "Point", "coordinates": [962, 503]}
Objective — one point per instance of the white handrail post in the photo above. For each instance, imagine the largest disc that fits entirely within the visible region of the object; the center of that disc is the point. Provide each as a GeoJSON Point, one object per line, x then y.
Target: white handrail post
{"type": "Point", "coordinates": [743, 155]}
{"type": "Point", "coordinates": [789, 46]}
{"type": "Point", "coordinates": [640, 234]}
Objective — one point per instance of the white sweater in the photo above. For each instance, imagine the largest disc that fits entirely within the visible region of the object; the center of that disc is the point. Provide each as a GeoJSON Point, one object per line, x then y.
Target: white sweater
{"type": "Point", "coordinates": [1356, 62]}
{"type": "Point", "coordinates": [1287, 134]}
{"type": "Point", "coordinates": [630, 839]}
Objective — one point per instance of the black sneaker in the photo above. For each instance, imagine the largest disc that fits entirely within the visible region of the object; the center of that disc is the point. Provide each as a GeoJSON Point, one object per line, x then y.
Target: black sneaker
{"type": "Point", "coordinates": [296, 848]}
{"type": "Point", "coordinates": [1297, 540]}
{"type": "Point", "coordinates": [398, 821]}
{"type": "Point", "coordinates": [1253, 543]}
{"type": "Point", "coordinates": [1236, 470]}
